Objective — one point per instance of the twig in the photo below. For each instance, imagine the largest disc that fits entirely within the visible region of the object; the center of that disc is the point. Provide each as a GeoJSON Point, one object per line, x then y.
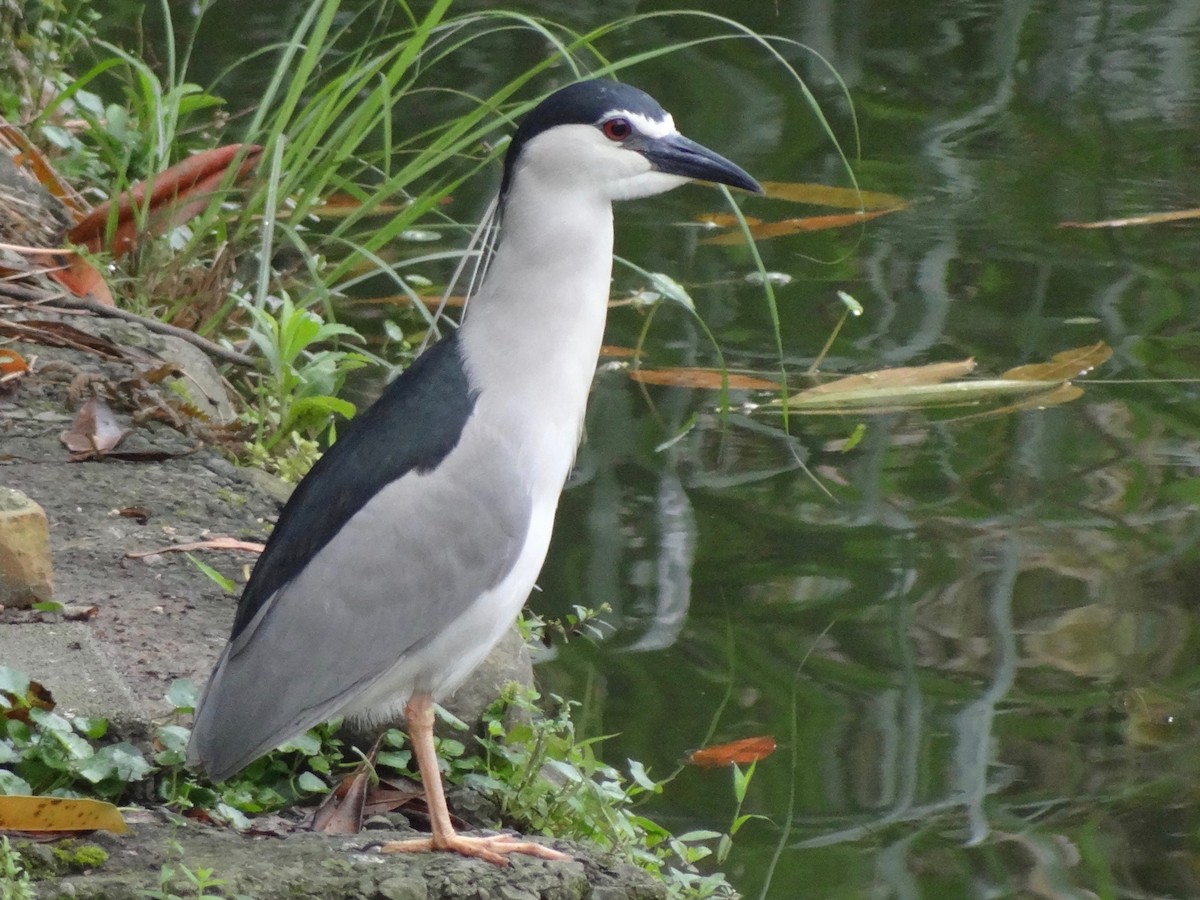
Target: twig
{"type": "Point", "coordinates": [113, 312]}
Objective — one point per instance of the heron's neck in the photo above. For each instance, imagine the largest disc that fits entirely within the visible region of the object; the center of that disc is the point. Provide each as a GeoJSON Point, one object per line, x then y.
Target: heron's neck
{"type": "Point", "coordinates": [534, 329]}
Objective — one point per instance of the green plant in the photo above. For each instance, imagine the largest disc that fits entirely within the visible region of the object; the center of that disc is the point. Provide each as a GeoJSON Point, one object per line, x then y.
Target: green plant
{"type": "Point", "coordinates": [14, 880]}
{"type": "Point", "coordinates": [545, 779]}
{"type": "Point", "coordinates": [45, 753]}
{"type": "Point", "coordinates": [198, 881]}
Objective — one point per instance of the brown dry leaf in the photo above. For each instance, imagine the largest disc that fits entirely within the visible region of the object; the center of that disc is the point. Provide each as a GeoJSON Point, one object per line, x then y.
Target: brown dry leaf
{"type": "Point", "coordinates": [1178, 215]}
{"type": "Point", "coordinates": [746, 750]}
{"type": "Point", "coordinates": [37, 696]}
{"type": "Point", "coordinates": [612, 351]}
{"type": "Point", "coordinates": [19, 813]}
{"type": "Point", "coordinates": [902, 376]}
{"type": "Point", "coordinates": [216, 543]}
{"type": "Point", "coordinates": [95, 431]}
{"type": "Point", "coordinates": [786, 227]}
{"type": "Point", "coordinates": [1065, 365]}
{"type": "Point", "coordinates": [709, 379]}
{"type": "Point", "coordinates": [341, 812]}
{"type": "Point", "coordinates": [826, 195]}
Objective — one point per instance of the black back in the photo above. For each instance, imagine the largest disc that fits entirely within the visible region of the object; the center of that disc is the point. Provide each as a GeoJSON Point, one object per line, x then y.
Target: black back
{"type": "Point", "coordinates": [582, 103]}
{"type": "Point", "coordinates": [414, 424]}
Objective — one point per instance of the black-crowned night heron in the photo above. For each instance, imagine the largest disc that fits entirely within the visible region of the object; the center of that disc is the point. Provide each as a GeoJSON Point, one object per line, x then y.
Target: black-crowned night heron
{"type": "Point", "coordinates": [410, 547]}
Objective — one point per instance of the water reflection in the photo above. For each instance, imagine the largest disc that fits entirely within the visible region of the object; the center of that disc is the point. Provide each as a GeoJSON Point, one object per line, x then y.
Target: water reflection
{"type": "Point", "coordinates": [974, 638]}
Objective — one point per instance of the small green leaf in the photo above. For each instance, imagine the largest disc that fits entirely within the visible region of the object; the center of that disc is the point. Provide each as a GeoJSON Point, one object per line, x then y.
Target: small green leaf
{"type": "Point", "coordinates": [91, 727]}
{"type": "Point", "coordinates": [308, 743]}
{"type": "Point", "coordinates": [182, 695]}
{"type": "Point", "coordinates": [13, 682]}
{"type": "Point", "coordinates": [311, 783]}
{"type": "Point", "coordinates": [225, 584]}
{"type": "Point", "coordinates": [11, 783]}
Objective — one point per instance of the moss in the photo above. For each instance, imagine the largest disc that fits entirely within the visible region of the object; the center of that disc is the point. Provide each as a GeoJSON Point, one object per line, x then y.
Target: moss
{"type": "Point", "coordinates": [74, 857]}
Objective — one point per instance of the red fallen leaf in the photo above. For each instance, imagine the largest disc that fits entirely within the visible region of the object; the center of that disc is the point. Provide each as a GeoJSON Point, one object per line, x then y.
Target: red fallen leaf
{"type": "Point", "coordinates": [709, 379]}
{"type": "Point", "coordinates": [746, 750]}
{"type": "Point", "coordinates": [80, 277]}
{"type": "Point", "coordinates": [94, 432]}
{"type": "Point", "coordinates": [176, 194]}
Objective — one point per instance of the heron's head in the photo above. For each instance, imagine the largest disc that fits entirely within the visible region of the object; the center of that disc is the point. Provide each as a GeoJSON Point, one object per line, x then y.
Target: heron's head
{"type": "Point", "coordinates": [613, 138]}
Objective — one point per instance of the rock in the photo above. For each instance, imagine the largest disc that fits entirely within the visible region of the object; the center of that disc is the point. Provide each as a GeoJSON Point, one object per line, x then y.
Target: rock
{"type": "Point", "coordinates": [25, 572]}
{"type": "Point", "coordinates": [305, 865]}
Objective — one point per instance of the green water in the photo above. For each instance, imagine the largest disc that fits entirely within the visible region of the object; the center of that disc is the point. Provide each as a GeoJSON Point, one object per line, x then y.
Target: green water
{"type": "Point", "coordinates": [974, 638]}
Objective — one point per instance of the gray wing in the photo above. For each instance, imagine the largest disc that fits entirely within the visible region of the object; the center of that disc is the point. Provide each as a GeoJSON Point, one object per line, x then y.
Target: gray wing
{"type": "Point", "coordinates": [400, 571]}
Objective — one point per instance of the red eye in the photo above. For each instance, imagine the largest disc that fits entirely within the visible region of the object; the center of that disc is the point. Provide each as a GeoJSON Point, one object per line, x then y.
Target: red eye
{"type": "Point", "coordinates": [617, 129]}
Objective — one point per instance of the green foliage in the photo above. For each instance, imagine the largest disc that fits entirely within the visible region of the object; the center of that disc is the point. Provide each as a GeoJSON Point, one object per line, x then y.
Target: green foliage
{"type": "Point", "coordinates": [547, 780]}
{"type": "Point", "coordinates": [45, 753]}
{"type": "Point", "coordinates": [14, 880]}
{"type": "Point", "coordinates": [541, 776]}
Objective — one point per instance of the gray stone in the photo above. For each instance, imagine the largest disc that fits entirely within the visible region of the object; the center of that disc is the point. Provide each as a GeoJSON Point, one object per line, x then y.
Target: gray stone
{"type": "Point", "coordinates": [65, 658]}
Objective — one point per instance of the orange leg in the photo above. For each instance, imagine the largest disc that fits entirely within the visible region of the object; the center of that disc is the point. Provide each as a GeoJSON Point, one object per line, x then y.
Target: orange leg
{"type": "Point", "coordinates": [419, 715]}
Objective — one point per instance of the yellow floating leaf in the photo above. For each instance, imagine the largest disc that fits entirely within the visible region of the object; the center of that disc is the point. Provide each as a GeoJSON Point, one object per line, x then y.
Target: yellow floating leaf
{"type": "Point", "coordinates": [786, 227]}
{"type": "Point", "coordinates": [916, 396]}
{"type": "Point", "coordinates": [1177, 215]}
{"type": "Point", "coordinates": [1065, 365]}
{"type": "Point", "coordinates": [825, 195]}
{"type": "Point", "coordinates": [709, 379]}
{"type": "Point", "coordinates": [19, 813]}
{"type": "Point", "coordinates": [901, 376]}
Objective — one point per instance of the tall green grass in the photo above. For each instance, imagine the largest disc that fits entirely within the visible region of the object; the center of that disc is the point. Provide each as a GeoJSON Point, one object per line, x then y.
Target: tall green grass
{"type": "Point", "coordinates": [350, 107]}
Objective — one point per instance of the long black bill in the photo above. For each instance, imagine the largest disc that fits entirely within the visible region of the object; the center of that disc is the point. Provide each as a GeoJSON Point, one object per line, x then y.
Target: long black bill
{"type": "Point", "coordinates": [678, 155]}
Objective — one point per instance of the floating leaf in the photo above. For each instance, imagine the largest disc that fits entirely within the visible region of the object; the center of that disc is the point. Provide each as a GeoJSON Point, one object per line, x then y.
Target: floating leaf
{"type": "Point", "coordinates": [786, 227]}
{"type": "Point", "coordinates": [1065, 365]}
{"type": "Point", "coordinates": [59, 814]}
{"type": "Point", "coordinates": [826, 195]}
{"type": "Point", "coordinates": [902, 376]}
{"type": "Point", "coordinates": [740, 752]}
{"type": "Point", "coordinates": [709, 379]}
{"type": "Point", "coordinates": [1178, 215]}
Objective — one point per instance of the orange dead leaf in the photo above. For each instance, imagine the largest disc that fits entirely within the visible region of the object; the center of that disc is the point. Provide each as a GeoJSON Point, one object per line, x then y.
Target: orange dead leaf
{"type": "Point", "coordinates": [1179, 215]}
{"type": "Point", "coordinates": [80, 277]}
{"type": "Point", "coordinates": [709, 379]}
{"type": "Point", "coordinates": [826, 195]}
{"type": "Point", "coordinates": [176, 194]}
{"type": "Point", "coordinates": [12, 363]}
{"type": "Point", "coordinates": [18, 813]}
{"type": "Point", "coordinates": [30, 157]}
{"type": "Point", "coordinates": [785, 227]}
{"type": "Point", "coordinates": [341, 206]}
{"type": "Point", "coordinates": [746, 750]}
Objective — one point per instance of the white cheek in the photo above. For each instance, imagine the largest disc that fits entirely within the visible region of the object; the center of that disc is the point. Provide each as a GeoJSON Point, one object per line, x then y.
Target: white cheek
{"type": "Point", "coordinates": [645, 184]}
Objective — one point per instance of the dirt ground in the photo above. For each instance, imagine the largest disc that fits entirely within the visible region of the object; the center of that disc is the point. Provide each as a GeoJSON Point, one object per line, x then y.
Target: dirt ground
{"type": "Point", "coordinates": [159, 617]}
